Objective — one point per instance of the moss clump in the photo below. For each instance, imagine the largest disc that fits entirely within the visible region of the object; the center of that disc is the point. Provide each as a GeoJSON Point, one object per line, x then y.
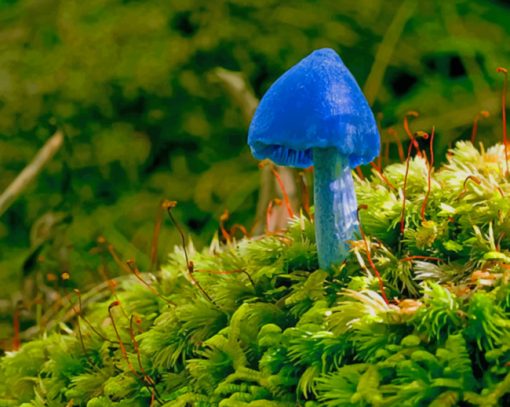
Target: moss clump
{"type": "Point", "coordinates": [265, 327]}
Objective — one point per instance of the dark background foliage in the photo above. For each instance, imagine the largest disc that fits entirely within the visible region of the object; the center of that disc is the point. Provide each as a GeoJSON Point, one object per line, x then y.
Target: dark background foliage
{"type": "Point", "coordinates": [131, 85]}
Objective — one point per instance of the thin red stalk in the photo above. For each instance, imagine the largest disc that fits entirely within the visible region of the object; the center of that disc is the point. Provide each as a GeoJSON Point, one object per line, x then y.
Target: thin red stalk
{"type": "Point", "coordinates": [121, 343]}
{"type": "Point", "coordinates": [78, 325]}
{"type": "Point", "coordinates": [223, 218]}
{"type": "Point", "coordinates": [429, 174]}
{"type": "Point", "coordinates": [80, 315]}
{"type": "Point", "coordinates": [77, 312]}
{"type": "Point", "coordinates": [375, 166]}
{"type": "Point", "coordinates": [402, 218]}
{"type": "Point", "coordinates": [474, 131]}
{"type": "Point", "coordinates": [383, 177]}
{"type": "Point", "coordinates": [147, 379]}
{"type": "Point", "coordinates": [138, 321]}
{"type": "Point", "coordinates": [169, 205]}
{"type": "Point", "coordinates": [431, 146]}
{"type": "Point", "coordinates": [240, 227]}
{"type": "Point", "coordinates": [284, 192]}
{"type": "Point", "coordinates": [410, 133]}
{"type": "Point", "coordinates": [425, 136]}
{"type": "Point", "coordinates": [359, 172]}
{"type": "Point", "coordinates": [269, 212]}
{"type": "Point", "coordinates": [472, 178]}
{"type": "Point", "coordinates": [124, 351]}
{"type": "Point", "coordinates": [369, 257]}
{"type": "Point", "coordinates": [82, 343]}
{"type": "Point", "coordinates": [503, 114]}
{"type": "Point", "coordinates": [120, 264]}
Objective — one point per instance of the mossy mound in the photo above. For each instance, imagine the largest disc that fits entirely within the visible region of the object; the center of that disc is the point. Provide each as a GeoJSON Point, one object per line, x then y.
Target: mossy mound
{"type": "Point", "coordinates": [260, 325]}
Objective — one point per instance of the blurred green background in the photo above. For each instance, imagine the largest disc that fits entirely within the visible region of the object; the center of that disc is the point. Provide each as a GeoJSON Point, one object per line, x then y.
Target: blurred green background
{"type": "Point", "coordinates": [132, 85]}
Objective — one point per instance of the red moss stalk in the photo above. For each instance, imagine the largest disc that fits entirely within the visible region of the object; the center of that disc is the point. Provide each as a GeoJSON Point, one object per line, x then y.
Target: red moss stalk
{"type": "Point", "coordinates": [286, 199]}
{"type": "Point", "coordinates": [121, 343]}
{"type": "Point", "coordinates": [410, 133]}
{"type": "Point", "coordinates": [381, 174]}
{"type": "Point", "coordinates": [169, 205]}
{"type": "Point", "coordinates": [239, 227]}
{"type": "Point", "coordinates": [269, 212]}
{"type": "Point", "coordinates": [79, 312]}
{"type": "Point", "coordinates": [223, 218]}
{"type": "Point", "coordinates": [369, 257]}
{"type": "Point", "coordinates": [146, 378]}
{"type": "Point", "coordinates": [482, 114]}
{"type": "Point", "coordinates": [472, 178]}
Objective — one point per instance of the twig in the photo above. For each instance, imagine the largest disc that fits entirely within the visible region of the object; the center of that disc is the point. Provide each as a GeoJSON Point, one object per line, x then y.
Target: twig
{"type": "Point", "coordinates": [239, 90]}
{"type": "Point", "coordinates": [30, 172]}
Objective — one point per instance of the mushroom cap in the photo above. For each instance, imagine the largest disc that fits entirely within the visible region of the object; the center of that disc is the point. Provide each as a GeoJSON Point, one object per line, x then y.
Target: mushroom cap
{"type": "Point", "coordinates": [315, 104]}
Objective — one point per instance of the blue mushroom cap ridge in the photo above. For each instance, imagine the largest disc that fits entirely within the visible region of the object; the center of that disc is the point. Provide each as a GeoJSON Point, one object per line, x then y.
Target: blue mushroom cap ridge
{"type": "Point", "coordinates": [315, 104]}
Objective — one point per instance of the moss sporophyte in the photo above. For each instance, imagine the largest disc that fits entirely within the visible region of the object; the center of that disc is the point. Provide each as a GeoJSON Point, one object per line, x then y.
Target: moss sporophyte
{"type": "Point", "coordinates": [417, 316]}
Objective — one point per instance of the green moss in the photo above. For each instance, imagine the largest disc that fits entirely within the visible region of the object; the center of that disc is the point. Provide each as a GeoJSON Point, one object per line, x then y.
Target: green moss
{"type": "Point", "coordinates": [262, 326]}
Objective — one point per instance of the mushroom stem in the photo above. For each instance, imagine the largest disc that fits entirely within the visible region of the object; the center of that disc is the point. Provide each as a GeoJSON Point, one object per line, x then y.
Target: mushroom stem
{"type": "Point", "coordinates": [335, 206]}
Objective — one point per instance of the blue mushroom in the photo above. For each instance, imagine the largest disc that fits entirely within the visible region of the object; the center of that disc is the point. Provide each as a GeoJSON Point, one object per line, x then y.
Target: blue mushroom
{"type": "Point", "coordinates": [315, 114]}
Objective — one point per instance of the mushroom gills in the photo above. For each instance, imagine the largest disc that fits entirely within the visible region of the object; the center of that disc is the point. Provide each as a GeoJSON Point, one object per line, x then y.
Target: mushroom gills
{"type": "Point", "coordinates": [283, 155]}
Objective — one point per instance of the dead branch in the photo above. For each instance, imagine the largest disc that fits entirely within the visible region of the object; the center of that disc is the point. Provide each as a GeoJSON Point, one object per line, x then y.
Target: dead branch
{"type": "Point", "coordinates": [30, 172]}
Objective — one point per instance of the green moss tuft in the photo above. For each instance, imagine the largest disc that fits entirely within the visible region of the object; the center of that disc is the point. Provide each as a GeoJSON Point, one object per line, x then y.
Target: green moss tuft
{"type": "Point", "coordinates": [270, 329]}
